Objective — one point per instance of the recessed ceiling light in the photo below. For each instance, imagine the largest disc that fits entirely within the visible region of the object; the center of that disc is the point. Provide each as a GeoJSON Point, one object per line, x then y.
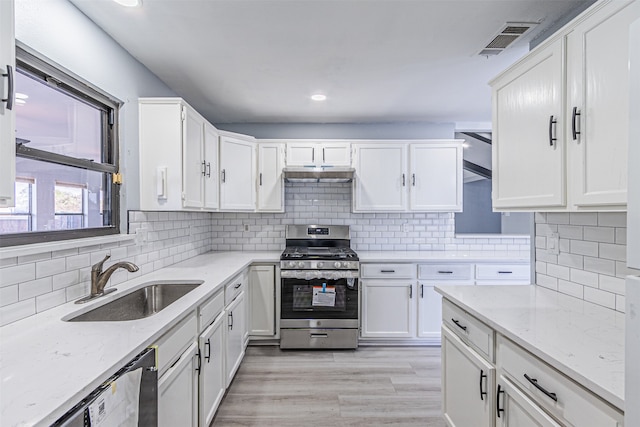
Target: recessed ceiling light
{"type": "Point", "coordinates": [319, 97]}
{"type": "Point", "coordinates": [129, 3]}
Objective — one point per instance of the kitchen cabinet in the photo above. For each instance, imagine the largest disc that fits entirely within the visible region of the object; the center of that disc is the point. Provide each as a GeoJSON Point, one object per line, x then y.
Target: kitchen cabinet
{"type": "Point", "coordinates": [307, 153]}
{"type": "Point", "coordinates": [270, 180]}
{"type": "Point", "coordinates": [262, 297]}
{"type": "Point", "coordinates": [178, 157]}
{"type": "Point", "coordinates": [237, 172]}
{"type": "Point", "coordinates": [550, 391]}
{"type": "Point", "coordinates": [388, 301]}
{"type": "Point", "coordinates": [235, 319]}
{"type": "Point", "coordinates": [541, 148]}
{"type": "Point", "coordinates": [515, 409]}
{"type": "Point", "coordinates": [598, 92]}
{"type": "Point", "coordinates": [435, 177]}
{"type": "Point", "coordinates": [212, 380]}
{"type": "Point", "coordinates": [7, 115]}
{"type": "Point", "coordinates": [177, 362]}
{"type": "Point", "coordinates": [503, 274]}
{"type": "Point", "coordinates": [396, 176]}
{"type": "Point", "coordinates": [467, 384]}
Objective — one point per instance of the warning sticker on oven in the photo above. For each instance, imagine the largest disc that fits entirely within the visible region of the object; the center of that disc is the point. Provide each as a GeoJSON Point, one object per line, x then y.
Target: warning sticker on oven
{"type": "Point", "coordinates": [324, 296]}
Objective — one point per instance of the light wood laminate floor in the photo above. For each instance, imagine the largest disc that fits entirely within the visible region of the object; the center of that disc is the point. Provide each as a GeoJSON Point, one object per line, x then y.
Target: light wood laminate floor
{"type": "Point", "coordinates": [371, 386]}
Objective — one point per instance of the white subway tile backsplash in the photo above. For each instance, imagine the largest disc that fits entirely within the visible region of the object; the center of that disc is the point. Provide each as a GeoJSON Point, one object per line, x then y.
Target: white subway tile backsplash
{"type": "Point", "coordinates": [593, 248]}
{"type": "Point", "coordinates": [17, 311]}
{"type": "Point", "coordinates": [78, 261]}
{"type": "Point", "coordinates": [34, 288]}
{"type": "Point", "coordinates": [50, 300]}
{"type": "Point", "coordinates": [50, 267]}
{"type": "Point", "coordinates": [17, 274]}
{"type": "Point", "coordinates": [547, 281]}
{"type": "Point", "coordinates": [8, 295]}
{"type": "Point", "coordinates": [61, 281]}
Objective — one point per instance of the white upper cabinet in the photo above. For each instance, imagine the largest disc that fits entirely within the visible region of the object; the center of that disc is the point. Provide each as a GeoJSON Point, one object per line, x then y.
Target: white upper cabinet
{"type": "Point", "coordinates": [305, 153]}
{"type": "Point", "coordinates": [528, 141]}
{"type": "Point", "coordinates": [435, 177]}
{"type": "Point", "coordinates": [7, 116]}
{"type": "Point", "coordinates": [270, 181]}
{"type": "Point", "coordinates": [237, 172]}
{"type": "Point", "coordinates": [178, 157]}
{"type": "Point", "coordinates": [380, 183]}
{"type": "Point", "coordinates": [564, 147]}
{"type": "Point", "coordinates": [396, 176]}
{"type": "Point", "coordinates": [598, 105]}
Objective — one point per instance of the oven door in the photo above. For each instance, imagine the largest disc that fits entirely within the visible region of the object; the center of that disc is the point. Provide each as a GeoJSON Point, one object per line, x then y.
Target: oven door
{"type": "Point", "coordinates": [318, 298]}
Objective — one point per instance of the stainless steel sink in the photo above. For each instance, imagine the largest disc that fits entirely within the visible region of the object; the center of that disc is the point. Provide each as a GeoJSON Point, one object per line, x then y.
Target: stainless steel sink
{"type": "Point", "coordinates": [141, 303]}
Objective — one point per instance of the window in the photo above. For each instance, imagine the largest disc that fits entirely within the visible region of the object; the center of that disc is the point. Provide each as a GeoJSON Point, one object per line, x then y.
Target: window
{"type": "Point", "coordinates": [18, 219]}
{"type": "Point", "coordinates": [66, 143]}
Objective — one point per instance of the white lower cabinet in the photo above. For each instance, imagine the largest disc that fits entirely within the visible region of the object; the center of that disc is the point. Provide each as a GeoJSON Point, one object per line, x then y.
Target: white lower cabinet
{"type": "Point", "coordinates": [388, 309]}
{"type": "Point", "coordinates": [178, 391]}
{"type": "Point", "coordinates": [429, 311]}
{"type": "Point", "coordinates": [467, 384]}
{"type": "Point", "coordinates": [235, 324]}
{"type": "Point", "coordinates": [515, 409]}
{"type": "Point", "coordinates": [212, 382]}
{"type": "Point", "coordinates": [262, 296]}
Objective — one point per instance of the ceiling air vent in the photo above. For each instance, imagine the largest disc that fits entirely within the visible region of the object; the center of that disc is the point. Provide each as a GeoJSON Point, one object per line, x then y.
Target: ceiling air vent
{"type": "Point", "coordinates": [509, 33]}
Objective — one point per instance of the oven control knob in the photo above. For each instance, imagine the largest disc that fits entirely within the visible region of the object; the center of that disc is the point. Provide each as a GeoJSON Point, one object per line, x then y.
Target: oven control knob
{"type": "Point", "coordinates": [337, 264]}
{"type": "Point", "coordinates": [301, 264]}
{"type": "Point", "coordinates": [292, 264]}
{"type": "Point", "coordinates": [320, 264]}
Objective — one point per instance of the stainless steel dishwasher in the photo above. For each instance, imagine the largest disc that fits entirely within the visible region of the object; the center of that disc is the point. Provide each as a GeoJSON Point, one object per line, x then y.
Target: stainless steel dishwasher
{"type": "Point", "coordinates": [95, 410]}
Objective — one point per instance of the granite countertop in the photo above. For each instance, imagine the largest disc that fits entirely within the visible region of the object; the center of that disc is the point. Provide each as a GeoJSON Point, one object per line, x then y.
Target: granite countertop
{"type": "Point", "coordinates": [47, 365]}
{"type": "Point", "coordinates": [583, 340]}
{"type": "Point", "coordinates": [444, 256]}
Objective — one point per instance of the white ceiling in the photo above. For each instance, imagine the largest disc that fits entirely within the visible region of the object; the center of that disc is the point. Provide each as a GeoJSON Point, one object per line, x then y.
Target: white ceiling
{"type": "Point", "coordinates": [376, 60]}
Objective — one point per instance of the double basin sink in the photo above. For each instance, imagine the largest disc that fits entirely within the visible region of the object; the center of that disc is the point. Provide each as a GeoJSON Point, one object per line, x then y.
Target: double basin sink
{"type": "Point", "coordinates": [143, 302]}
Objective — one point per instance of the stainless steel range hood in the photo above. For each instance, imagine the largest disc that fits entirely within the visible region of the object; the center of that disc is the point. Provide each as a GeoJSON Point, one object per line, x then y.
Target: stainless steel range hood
{"type": "Point", "coordinates": [318, 174]}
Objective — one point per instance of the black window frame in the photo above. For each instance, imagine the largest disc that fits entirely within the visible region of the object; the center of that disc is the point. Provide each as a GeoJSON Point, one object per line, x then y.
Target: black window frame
{"type": "Point", "coordinates": [40, 67]}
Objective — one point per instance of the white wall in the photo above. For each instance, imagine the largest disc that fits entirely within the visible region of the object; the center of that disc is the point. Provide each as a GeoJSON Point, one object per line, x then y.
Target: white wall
{"type": "Point", "coordinates": [59, 31]}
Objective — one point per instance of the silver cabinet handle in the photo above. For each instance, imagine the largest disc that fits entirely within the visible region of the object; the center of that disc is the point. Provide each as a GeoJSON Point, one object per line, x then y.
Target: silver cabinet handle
{"type": "Point", "coordinates": [574, 125]}
{"type": "Point", "coordinates": [552, 122]}
{"type": "Point", "coordinates": [204, 168]}
{"type": "Point", "coordinates": [208, 169]}
{"type": "Point", "coordinates": [224, 175]}
{"type": "Point", "coordinates": [413, 177]}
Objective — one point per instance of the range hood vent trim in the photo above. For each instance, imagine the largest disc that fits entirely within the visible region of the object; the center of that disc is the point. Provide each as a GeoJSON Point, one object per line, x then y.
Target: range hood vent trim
{"type": "Point", "coordinates": [318, 174]}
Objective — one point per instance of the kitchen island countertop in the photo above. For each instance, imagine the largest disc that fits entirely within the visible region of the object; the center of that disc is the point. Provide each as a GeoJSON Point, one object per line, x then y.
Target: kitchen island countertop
{"type": "Point", "coordinates": [582, 340]}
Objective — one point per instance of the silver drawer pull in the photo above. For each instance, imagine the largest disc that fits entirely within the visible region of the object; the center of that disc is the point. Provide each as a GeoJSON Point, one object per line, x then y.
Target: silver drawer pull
{"type": "Point", "coordinates": [319, 335]}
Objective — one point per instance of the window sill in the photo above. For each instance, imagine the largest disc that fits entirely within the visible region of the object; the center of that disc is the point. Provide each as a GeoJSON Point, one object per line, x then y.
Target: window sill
{"type": "Point", "coordinates": [18, 251]}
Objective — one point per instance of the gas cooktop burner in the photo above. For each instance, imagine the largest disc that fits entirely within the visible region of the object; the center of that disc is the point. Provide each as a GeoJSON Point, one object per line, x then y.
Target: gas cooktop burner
{"type": "Point", "coordinates": [303, 252]}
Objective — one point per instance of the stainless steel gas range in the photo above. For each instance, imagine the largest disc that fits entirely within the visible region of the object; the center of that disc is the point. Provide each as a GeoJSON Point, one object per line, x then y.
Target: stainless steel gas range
{"type": "Point", "coordinates": [319, 288]}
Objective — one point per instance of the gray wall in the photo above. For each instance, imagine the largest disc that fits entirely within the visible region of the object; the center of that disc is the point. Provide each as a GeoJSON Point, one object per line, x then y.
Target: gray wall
{"type": "Point", "coordinates": [478, 216]}
{"type": "Point", "coordinates": [342, 130]}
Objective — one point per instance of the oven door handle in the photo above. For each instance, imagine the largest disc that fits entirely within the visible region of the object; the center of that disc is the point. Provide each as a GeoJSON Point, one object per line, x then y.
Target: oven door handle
{"type": "Point", "coordinates": [319, 335]}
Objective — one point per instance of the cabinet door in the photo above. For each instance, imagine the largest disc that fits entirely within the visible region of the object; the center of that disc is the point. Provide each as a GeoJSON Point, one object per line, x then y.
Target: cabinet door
{"type": "Point", "coordinates": [7, 116]}
{"type": "Point", "coordinates": [335, 154]}
{"type": "Point", "coordinates": [193, 167]}
{"type": "Point", "coordinates": [212, 375]}
{"type": "Point", "coordinates": [238, 184]}
{"type": "Point", "coordinates": [467, 384]}
{"type": "Point", "coordinates": [528, 167]}
{"type": "Point", "coordinates": [514, 409]}
{"type": "Point", "coordinates": [262, 310]}
{"type": "Point", "coordinates": [388, 309]}
{"type": "Point", "coordinates": [381, 179]}
{"type": "Point", "coordinates": [270, 182]}
{"type": "Point", "coordinates": [235, 321]}
{"type": "Point", "coordinates": [436, 177]}
{"type": "Point", "coordinates": [211, 183]}
{"type": "Point", "coordinates": [178, 392]}
{"type": "Point", "coordinates": [301, 154]}
{"type": "Point", "coordinates": [429, 311]}
{"type": "Point", "coordinates": [598, 76]}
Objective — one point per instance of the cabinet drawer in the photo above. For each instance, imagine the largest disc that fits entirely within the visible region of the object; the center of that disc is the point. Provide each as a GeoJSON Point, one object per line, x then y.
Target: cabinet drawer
{"type": "Point", "coordinates": [173, 343]}
{"type": "Point", "coordinates": [445, 272]}
{"type": "Point", "coordinates": [210, 309]}
{"type": "Point", "coordinates": [563, 398]}
{"type": "Point", "coordinates": [503, 272]}
{"type": "Point", "coordinates": [470, 330]}
{"type": "Point", "coordinates": [395, 271]}
{"type": "Point", "coordinates": [234, 287]}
